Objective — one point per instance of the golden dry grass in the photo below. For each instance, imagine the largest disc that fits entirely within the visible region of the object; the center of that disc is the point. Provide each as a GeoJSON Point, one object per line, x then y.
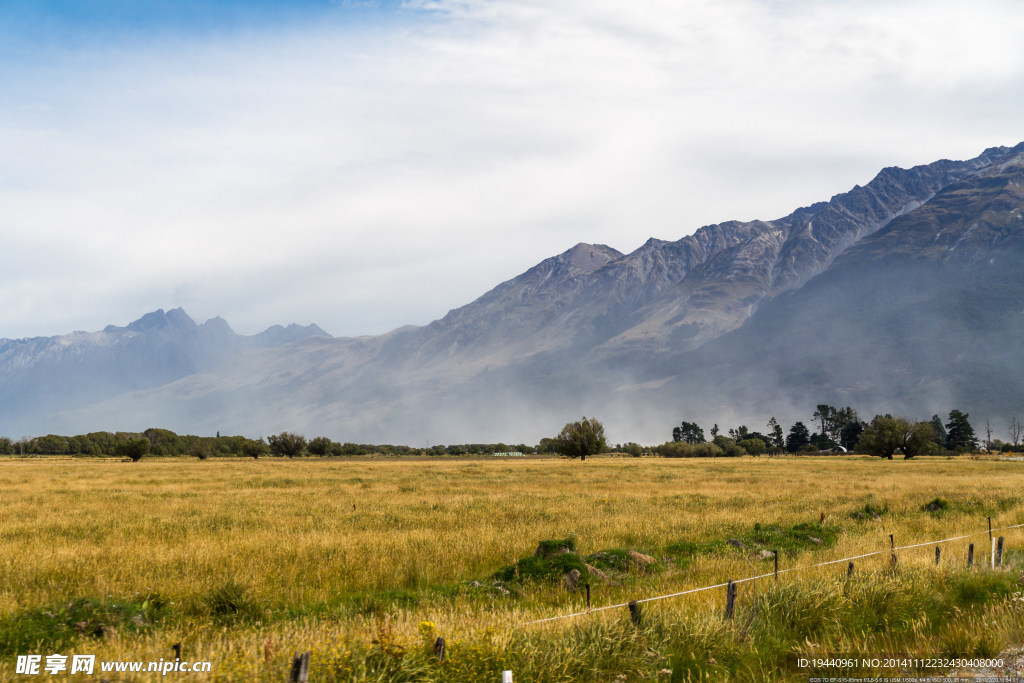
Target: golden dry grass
{"type": "Point", "coordinates": [300, 534]}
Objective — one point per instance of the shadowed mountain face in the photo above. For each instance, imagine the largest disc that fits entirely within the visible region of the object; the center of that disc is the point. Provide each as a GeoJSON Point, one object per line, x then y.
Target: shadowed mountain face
{"type": "Point", "coordinates": [904, 295]}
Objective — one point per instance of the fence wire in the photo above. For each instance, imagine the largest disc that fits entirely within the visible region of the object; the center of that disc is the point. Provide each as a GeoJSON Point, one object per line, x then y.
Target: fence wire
{"type": "Point", "coordinates": [764, 576]}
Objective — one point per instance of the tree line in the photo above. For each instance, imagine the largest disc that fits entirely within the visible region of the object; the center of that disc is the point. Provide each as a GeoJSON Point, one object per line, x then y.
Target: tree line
{"type": "Point", "coordinates": [840, 429]}
{"type": "Point", "coordinates": [165, 443]}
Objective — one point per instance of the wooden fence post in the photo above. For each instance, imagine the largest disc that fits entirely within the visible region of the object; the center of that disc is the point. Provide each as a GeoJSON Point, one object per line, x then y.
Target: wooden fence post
{"type": "Point", "coordinates": [849, 570]}
{"type": "Point", "coordinates": [999, 552]}
{"type": "Point", "coordinates": [634, 612]}
{"type": "Point", "coordinates": [938, 553]}
{"type": "Point", "coordinates": [300, 668]}
{"type": "Point", "coordinates": [730, 599]}
{"type": "Point", "coordinates": [970, 555]}
{"type": "Point", "coordinates": [992, 541]}
{"type": "Point", "coordinates": [776, 553]}
{"type": "Point", "coordinates": [892, 549]}
{"type": "Point", "coordinates": [177, 650]}
{"type": "Point", "coordinates": [439, 649]}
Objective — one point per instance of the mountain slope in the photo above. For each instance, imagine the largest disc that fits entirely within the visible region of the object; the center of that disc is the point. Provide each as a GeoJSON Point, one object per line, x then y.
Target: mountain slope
{"type": "Point", "coordinates": [902, 295]}
{"type": "Point", "coordinates": [925, 314]}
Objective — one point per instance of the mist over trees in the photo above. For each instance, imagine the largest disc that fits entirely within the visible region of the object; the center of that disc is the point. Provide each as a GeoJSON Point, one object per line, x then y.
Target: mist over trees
{"type": "Point", "coordinates": [839, 429]}
{"type": "Point", "coordinates": [836, 430]}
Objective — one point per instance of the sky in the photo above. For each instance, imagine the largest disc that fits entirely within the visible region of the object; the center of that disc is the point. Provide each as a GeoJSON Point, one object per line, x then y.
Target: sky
{"type": "Point", "coordinates": [366, 165]}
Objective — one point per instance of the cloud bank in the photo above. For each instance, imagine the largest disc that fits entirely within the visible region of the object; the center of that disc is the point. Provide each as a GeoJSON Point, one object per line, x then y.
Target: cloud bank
{"type": "Point", "coordinates": [364, 174]}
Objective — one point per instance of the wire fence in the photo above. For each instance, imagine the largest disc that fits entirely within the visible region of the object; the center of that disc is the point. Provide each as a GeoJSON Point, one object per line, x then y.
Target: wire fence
{"type": "Point", "coordinates": [891, 549]}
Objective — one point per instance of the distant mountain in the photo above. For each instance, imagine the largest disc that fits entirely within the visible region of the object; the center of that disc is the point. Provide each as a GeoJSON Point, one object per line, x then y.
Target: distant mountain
{"type": "Point", "coordinates": [921, 316]}
{"type": "Point", "coordinates": [43, 375]}
{"type": "Point", "coordinates": [904, 295]}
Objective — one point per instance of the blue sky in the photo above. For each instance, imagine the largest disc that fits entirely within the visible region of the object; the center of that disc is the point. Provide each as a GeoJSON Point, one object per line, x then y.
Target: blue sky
{"type": "Point", "coordinates": [368, 165]}
{"type": "Point", "coordinates": [38, 19]}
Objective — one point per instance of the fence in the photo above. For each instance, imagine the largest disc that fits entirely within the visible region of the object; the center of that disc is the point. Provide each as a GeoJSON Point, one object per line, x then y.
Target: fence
{"type": "Point", "coordinates": [633, 605]}
{"type": "Point", "coordinates": [300, 665]}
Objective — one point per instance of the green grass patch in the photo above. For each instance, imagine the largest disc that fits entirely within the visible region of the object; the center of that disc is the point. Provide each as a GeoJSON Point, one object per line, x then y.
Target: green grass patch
{"type": "Point", "coordinates": [538, 569]}
{"type": "Point", "coordinates": [936, 506]}
{"type": "Point", "coordinates": [793, 539]}
{"type": "Point", "coordinates": [870, 511]}
{"type": "Point", "coordinates": [57, 626]}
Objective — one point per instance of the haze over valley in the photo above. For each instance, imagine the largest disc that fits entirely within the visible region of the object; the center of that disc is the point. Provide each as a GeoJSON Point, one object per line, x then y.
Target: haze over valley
{"type": "Point", "coordinates": [904, 295]}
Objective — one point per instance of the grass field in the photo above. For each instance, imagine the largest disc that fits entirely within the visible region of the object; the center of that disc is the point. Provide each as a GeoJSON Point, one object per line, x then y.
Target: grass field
{"type": "Point", "coordinates": [366, 562]}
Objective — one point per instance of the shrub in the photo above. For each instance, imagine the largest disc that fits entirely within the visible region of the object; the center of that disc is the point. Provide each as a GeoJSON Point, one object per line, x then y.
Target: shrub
{"type": "Point", "coordinates": [133, 448]}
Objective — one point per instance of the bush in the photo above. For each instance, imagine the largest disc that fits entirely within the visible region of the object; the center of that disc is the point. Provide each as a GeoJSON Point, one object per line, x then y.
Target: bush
{"type": "Point", "coordinates": [936, 506]}
{"type": "Point", "coordinates": [230, 600]}
{"type": "Point", "coordinates": [753, 446]}
{"type": "Point", "coordinates": [549, 564]}
{"type": "Point", "coordinates": [681, 449]}
{"type": "Point", "coordinates": [733, 450]}
{"type": "Point", "coordinates": [133, 449]}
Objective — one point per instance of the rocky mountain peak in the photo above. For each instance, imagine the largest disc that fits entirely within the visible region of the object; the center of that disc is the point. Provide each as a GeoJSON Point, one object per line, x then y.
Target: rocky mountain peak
{"type": "Point", "coordinates": [586, 258]}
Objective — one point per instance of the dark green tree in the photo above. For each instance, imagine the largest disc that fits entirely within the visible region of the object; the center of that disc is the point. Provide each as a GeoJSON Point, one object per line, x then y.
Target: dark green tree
{"type": "Point", "coordinates": [959, 433]}
{"type": "Point", "coordinates": [753, 446]}
{"type": "Point", "coordinates": [580, 439]}
{"type": "Point", "coordinates": [824, 414]}
{"type": "Point", "coordinates": [918, 439]}
{"type": "Point", "coordinates": [633, 449]}
{"type": "Point", "coordinates": [882, 437]}
{"type": "Point", "coordinates": [254, 448]}
{"type": "Point", "coordinates": [739, 433]}
{"type": "Point", "coordinates": [850, 434]}
{"type": "Point", "coordinates": [798, 437]}
{"type": "Point", "coordinates": [133, 448]}
{"type": "Point", "coordinates": [938, 430]}
{"type": "Point", "coordinates": [320, 446]}
{"type": "Point", "coordinates": [287, 444]}
{"type": "Point", "coordinates": [776, 437]}
{"type": "Point", "coordinates": [887, 434]}
{"type": "Point", "coordinates": [690, 432]}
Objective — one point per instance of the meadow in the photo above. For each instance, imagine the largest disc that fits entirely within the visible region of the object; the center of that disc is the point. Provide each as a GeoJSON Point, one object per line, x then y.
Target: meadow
{"type": "Point", "coordinates": [366, 562]}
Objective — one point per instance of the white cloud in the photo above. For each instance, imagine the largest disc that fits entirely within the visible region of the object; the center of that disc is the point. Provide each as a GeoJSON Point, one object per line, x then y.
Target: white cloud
{"type": "Point", "coordinates": [367, 180]}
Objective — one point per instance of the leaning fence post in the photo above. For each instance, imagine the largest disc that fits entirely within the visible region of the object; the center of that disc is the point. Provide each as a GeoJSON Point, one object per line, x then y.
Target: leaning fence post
{"type": "Point", "coordinates": [938, 553]}
{"type": "Point", "coordinates": [300, 668]}
{"type": "Point", "coordinates": [634, 612]}
{"type": "Point", "coordinates": [439, 649]}
{"type": "Point", "coordinates": [730, 599]}
{"type": "Point", "coordinates": [999, 552]}
{"type": "Point", "coordinates": [970, 555]}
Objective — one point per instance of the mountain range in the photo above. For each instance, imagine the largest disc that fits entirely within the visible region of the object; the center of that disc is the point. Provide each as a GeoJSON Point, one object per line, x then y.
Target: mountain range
{"type": "Point", "coordinates": [905, 295]}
